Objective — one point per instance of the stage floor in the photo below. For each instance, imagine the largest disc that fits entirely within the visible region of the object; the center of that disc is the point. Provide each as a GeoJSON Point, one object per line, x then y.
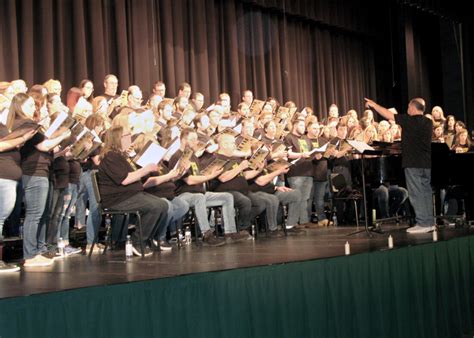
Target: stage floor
{"type": "Point", "coordinates": [79, 271]}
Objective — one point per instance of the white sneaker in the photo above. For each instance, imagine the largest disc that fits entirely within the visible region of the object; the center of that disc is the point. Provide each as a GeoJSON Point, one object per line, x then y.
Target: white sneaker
{"type": "Point", "coordinates": [146, 251]}
{"type": "Point", "coordinates": [4, 267]}
{"type": "Point", "coordinates": [69, 250]}
{"type": "Point", "coordinates": [420, 230]}
{"type": "Point", "coordinates": [38, 260]}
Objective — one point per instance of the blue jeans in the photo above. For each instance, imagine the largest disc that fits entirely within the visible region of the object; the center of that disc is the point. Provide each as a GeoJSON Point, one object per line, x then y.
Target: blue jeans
{"type": "Point", "coordinates": [7, 200]}
{"type": "Point", "coordinates": [304, 184]}
{"type": "Point", "coordinates": [65, 215]}
{"type": "Point", "coordinates": [317, 198]}
{"type": "Point", "coordinates": [420, 194]}
{"type": "Point", "coordinates": [177, 208]}
{"type": "Point", "coordinates": [200, 202]}
{"type": "Point", "coordinates": [262, 201]}
{"type": "Point", "coordinates": [86, 193]}
{"type": "Point", "coordinates": [293, 200]}
{"type": "Point", "coordinates": [36, 190]}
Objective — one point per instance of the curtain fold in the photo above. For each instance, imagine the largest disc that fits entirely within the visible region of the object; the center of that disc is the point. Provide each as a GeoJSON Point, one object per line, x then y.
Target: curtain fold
{"type": "Point", "coordinates": [215, 45]}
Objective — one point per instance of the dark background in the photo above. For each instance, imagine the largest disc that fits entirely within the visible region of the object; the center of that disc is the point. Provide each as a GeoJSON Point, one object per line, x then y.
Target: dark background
{"type": "Point", "coordinates": [313, 52]}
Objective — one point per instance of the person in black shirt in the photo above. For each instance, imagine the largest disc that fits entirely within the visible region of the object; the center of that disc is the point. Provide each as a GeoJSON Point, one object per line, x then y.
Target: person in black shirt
{"type": "Point", "coordinates": [69, 203]}
{"type": "Point", "coordinates": [121, 189]}
{"type": "Point", "coordinates": [36, 156]}
{"type": "Point", "coordinates": [300, 176]}
{"type": "Point", "coordinates": [320, 174]}
{"type": "Point", "coordinates": [191, 187]}
{"type": "Point", "coordinates": [10, 174]}
{"type": "Point", "coordinates": [161, 184]}
{"type": "Point", "coordinates": [266, 189]}
{"type": "Point", "coordinates": [416, 159]}
{"type": "Point", "coordinates": [234, 180]}
{"type": "Point", "coordinates": [85, 190]}
{"type": "Point", "coordinates": [60, 185]}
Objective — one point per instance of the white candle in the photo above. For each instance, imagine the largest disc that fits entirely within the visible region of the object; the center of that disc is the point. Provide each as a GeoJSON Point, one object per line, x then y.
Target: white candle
{"type": "Point", "coordinates": [374, 216]}
{"type": "Point", "coordinates": [390, 242]}
{"type": "Point", "coordinates": [347, 249]}
{"type": "Point", "coordinates": [435, 235]}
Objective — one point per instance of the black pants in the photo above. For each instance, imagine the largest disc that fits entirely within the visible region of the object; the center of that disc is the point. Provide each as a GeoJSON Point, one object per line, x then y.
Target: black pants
{"type": "Point", "coordinates": [153, 211]}
{"type": "Point", "coordinates": [53, 222]}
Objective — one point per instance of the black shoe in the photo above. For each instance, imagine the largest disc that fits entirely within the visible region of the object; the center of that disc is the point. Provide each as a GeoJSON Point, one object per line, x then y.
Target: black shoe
{"type": "Point", "coordinates": [51, 255]}
{"type": "Point", "coordinates": [210, 240]}
{"type": "Point", "coordinates": [295, 232]}
{"type": "Point", "coordinates": [238, 237]}
{"type": "Point", "coordinates": [165, 246]}
{"type": "Point", "coordinates": [161, 245]}
{"type": "Point", "coordinates": [276, 233]}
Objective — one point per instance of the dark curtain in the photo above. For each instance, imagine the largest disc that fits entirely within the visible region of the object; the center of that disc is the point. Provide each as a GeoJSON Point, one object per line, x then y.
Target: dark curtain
{"type": "Point", "coordinates": [215, 45]}
{"type": "Point", "coordinates": [355, 16]}
{"type": "Point", "coordinates": [423, 56]}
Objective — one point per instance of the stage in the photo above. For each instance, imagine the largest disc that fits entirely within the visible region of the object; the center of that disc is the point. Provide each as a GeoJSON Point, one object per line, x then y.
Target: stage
{"type": "Point", "coordinates": [293, 286]}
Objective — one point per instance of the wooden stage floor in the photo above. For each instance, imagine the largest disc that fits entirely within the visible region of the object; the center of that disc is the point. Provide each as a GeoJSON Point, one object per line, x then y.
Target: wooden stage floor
{"type": "Point", "coordinates": [79, 271]}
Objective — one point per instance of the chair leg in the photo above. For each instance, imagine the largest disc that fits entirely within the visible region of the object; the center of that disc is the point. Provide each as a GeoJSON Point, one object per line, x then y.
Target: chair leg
{"type": "Point", "coordinates": [216, 218]}
{"type": "Point", "coordinates": [194, 221]}
{"type": "Point", "coordinates": [237, 225]}
{"type": "Point", "coordinates": [196, 228]}
{"type": "Point", "coordinates": [266, 225]}
{"type": "Point", "coordinates": [284, 217]}
{"type": "Point", "coordinates": [139, 225]}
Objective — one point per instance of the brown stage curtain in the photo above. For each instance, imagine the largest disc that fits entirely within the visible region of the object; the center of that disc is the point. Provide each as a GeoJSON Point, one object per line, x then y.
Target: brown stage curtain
{"type": "Point", "coordinates": [215, 45]}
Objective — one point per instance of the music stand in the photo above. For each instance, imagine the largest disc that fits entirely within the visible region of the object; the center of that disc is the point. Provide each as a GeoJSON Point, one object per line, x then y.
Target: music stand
{"type": "Point", "coordinates": [366, 229]}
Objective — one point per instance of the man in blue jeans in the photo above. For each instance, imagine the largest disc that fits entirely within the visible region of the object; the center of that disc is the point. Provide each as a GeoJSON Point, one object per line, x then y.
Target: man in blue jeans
{"type": "Point", "coordinates": [416, 159]}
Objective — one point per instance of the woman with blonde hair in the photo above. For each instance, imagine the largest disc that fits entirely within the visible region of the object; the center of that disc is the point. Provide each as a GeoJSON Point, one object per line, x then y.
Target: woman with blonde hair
{"type": "Point", "coordinates": [36, 158]}
{"type": "Point", "coordinates": [161, 184]}
{"type": "Point", "coordinates": [121, 188]}
{"type": "Point", "coordinates": [438, 114]}
{"type": "Point", "coordinates": [10, 158]}
{"type": "Point", "coordinates": [53, 86]}
{"type": "Point", "coordinates": [370, 134]}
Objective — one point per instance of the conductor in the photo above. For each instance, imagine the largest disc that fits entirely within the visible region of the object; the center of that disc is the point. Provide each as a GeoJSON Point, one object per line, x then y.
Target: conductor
{"type": "Point", "coordinates": [416, 159]}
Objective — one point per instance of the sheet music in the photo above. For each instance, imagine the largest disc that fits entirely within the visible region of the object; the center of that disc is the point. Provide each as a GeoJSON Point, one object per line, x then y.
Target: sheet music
{"type": "Point", "coordinates": [320, 149]}
{"type": "Point", "coordinates": [96, 137]}
{"type": "Point", "coordinates": [187, 154]}
{"type": "Point", "coordinates": [153, 154]}
{"type": "Point", "coordinates": [172, 149]}
{"type": "Point", "coordinates": [278, 165]}
{"type": "Point", "coordinates": [238, 128]}
{"type": "Point", "coordinates": [295, 161]}
{"type": "Point", "coordinates": [211, 107]}
{"type": "Point", "coordinates": [56, 124]}
{"type": "Point", "coordinates": [359, 146]}
{"type": "Point", "coordinates": [258, 157]}
{"type": "Point", "coordinates": [216, 164]}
